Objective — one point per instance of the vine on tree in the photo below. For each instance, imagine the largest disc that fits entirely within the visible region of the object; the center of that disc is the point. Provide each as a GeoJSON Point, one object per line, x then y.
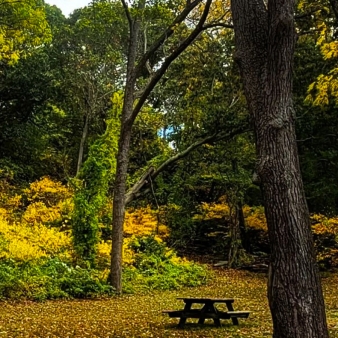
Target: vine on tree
{"type": "Point", "coordinates": [92, 185]}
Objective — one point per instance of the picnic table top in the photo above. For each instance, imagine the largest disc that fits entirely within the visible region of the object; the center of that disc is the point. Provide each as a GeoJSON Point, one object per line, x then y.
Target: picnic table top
{"type": "Point", "coordinates": [204, 300]}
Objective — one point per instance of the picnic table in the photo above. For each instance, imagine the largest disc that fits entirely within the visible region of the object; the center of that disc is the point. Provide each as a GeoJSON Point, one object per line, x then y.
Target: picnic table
{"type": "Point", "coordinates": [208, 310]}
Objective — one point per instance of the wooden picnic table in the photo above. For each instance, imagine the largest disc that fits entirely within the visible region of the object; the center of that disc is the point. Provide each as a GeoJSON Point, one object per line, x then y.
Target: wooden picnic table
{"type": "Point", "coordinates": [208, 310]}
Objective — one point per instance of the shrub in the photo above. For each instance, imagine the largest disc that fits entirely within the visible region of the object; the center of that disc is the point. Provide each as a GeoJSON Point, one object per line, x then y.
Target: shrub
{"type": "Point", "coordinates": [155, 266]}
{"type": "Point", "coordinates": [144, 221]}
{"type": "Point", "coordinates": [49, 279]}
{"type": "Point", "coordinates": [46, 191]}
{"type": "Point", "coordinates": [23, 242]}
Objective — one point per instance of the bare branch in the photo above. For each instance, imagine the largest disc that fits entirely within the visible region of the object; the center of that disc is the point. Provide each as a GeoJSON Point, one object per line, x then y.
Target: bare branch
{"type": "Point", "coordinates": [168, 60]}
{"type": "Point", "coordinates": [166, 34]}
{"type": "Point", "coordinates": [130, 195]}
{"type": "Point", "coordinates": [126, 9]}
{"type": "Point", "coordinates": [218, 25]}
{"type": "Point", "coordinates": [307, 14]}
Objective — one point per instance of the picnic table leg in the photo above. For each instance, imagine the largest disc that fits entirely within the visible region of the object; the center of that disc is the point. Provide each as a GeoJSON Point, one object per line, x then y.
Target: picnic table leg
{"type": "Point", "coordinates": [231, 308]}
{"type": "Point", "coordinates": [182, 322]}
{"type": "Point", "coordinates": [209, 308]}
{"type": "Point", "coordinates": [201, 320]}
{"type": "Point", "coordinates": [183, 319]}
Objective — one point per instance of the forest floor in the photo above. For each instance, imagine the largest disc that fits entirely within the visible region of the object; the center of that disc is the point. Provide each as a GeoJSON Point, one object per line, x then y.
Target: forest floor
{"type": "Point", "coordinates": [141, 315]}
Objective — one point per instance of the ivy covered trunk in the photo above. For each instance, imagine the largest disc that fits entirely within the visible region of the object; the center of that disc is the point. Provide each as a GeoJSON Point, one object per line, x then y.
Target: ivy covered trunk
{"type": "Point", "coordinates": [265, 39]}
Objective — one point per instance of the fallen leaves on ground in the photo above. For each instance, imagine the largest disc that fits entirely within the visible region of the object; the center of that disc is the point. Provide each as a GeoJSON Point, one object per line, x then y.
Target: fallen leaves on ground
{"type": "Point", "coordinates": [141, 315]}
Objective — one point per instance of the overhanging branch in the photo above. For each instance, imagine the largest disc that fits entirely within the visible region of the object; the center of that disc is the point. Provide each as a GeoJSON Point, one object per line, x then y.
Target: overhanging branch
{"type": "Point", "coordinates": [151, 173]}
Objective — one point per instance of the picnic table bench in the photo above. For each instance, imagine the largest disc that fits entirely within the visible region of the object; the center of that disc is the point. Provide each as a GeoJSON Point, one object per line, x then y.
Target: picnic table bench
{"type": "Point", "coordinates": [208, 310]}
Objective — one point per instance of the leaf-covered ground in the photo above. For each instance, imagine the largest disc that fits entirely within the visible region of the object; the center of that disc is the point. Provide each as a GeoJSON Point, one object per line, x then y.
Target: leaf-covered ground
{"type": "Point", "coordinates": [140, 315]}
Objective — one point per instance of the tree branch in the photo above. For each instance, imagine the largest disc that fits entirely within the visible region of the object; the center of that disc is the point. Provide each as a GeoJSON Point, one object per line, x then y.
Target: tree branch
{"type": "Point", "coordinates": [168, 60]}
{"type": "Point", "coordinates": [220, 24]}
{"type": "Point", "coordinates": [152, 173]}
{"type": "Point", "coordinates": [307, 14]}
{"type": "Point", "coordinates": [126, 9]}
{"type": "Point", "coordinates": [166, 34]}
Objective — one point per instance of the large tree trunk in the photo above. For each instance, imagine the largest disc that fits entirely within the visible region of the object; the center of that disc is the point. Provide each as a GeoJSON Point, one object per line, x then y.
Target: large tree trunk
{"type": "Point", "coordinates": [265, 39]}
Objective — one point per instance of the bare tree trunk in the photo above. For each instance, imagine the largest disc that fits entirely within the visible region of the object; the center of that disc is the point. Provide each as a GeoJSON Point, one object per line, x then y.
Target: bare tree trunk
{"type": "Point", "coordinates": [265, 39]}
{"type": "Point", "coordinates": [82, 143]}
{"type": "Point", "coordinates": [119, 209]}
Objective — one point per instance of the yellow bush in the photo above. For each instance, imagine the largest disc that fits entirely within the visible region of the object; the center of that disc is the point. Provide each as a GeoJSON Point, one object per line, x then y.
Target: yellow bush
{"type": "Point", "coordinates": [50, 202]}
{"type": "Point", "coordinates": [208, 211]}
{"type": "Point", "coordinates": [47, 191]}
{"type": "Point", "coordinates": [255, 218]}
{"type": "Point", "coordinates": [38, 212]}
{"type": "Point", "coordinates": [323, 225]}
{"type": "Point", "coordinates": [27, 242]}
{"type": "Point", "coordinates": [104, 250]}
{"type": "Point", "coordinates": [142, 222]}
{"type": "Point", "coordinates": [9, 200]}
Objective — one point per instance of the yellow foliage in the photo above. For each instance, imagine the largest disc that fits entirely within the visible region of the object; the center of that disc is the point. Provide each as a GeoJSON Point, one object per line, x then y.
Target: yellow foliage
{"type": "Point", "coordinates": [23, 27]}
{"type": "Point", "coordinates": [213, 211]}
{"type": "Point", "coordinates": [330, 50]}
{"type": "Point", "coordinates": [142, 222]}
{"type": "Point", "coordinates": [9, 201]}
{"type": "Point", "coordinates": [326, 86]}
{"type": "Point", "coordinates": [50, 202]}
{"type": "Point", "coordinates": [47, 191]}
{"type": "Point", "coordinates": [25, 242]}
{"type": "Point", "coordinates": [324, 225]}
{"type": "Point", "coordinates": [255, 218]}
{"type": "Point", "coordinates": [38, 212]}
{"type": "Point", "coordinates": [128, 255]}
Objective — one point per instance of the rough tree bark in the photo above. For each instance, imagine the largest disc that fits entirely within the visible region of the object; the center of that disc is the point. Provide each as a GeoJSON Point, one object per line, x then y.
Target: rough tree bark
{"type": "Point", "coordinates": [133, 103]}
{"type": "Point", "coordinates": [264, 40]}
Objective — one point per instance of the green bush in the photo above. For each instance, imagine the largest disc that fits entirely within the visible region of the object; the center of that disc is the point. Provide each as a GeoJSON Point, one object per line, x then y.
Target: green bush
{"type": "Point", "coordinates": [49, 279]}
{"type": "Point", "coordinates": [158, 268]}
{"type": "Point", "coordinates": [155, 267]}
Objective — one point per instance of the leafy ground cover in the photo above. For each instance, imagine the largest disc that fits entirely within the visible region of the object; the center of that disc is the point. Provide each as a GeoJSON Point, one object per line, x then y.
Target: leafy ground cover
{"type": "Point", "coordinates": [139, 315]}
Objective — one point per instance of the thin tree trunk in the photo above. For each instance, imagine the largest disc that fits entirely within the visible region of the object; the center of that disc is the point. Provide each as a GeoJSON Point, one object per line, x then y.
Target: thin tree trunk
{"type": "Point", "coordinates": [242, 228]}
{"type": "Point", "coordinates": [130, 112]}
{"type": "Point", "coordinates": [123, 159]}
{"type": "Point", "coordinates": [82, 143]}
{"type": "Point", "coordinates": [119, 209]}
{"type": "Point", "coordinates": [265, 39]}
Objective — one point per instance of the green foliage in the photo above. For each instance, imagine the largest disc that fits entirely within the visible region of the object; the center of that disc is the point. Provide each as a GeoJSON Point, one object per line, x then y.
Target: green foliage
{"type": "Point", "coordinates": [49, 279]}
{"type": "Point", "coordinates": [156, 267]}
{"type": "Point", "coordinates": [23, 26]}
{"type": "Point", "coordinates": [92, 187]}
